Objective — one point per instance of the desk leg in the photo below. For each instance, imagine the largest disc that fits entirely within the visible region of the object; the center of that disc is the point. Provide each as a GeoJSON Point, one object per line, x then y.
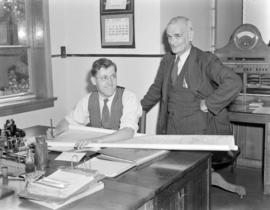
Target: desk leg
{"type": "Point", "coordinates": [266, 162]}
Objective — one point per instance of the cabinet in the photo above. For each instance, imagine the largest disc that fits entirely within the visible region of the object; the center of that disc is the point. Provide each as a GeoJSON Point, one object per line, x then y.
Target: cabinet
{"type": "Point", "coordinates": [190, 192]}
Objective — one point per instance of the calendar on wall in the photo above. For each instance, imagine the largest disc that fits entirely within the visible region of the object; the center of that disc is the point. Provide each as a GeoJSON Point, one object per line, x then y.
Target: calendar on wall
{"type": "Point", "coordinates": [117, 23]}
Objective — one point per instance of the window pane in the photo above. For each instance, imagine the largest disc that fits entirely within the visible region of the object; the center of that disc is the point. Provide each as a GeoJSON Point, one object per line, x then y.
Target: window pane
{"type": "Point", "coordinates": [14, 71]}
{"type": "Point", "coordinates": [13, 29]}
{"type": "Point", "coordinates": [14, 74]}
{"type": "Point", "coordinates": [25, 62]}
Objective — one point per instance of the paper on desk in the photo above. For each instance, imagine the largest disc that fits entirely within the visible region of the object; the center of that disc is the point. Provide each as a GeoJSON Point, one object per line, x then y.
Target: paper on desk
{"type": "Point", "coordinates": [67, 140]}
{"type": "Point", "coordinates": [74, 183]}
{"type": "Point", "coordinates": [70, 156]}
{"type": "Point", "coordinates": [54, 205]}
{"type": "Point", "coordinates": [106, 167]}
{"type": "Point", "coordinates": [262, 110]}
{"type": "Point", "coordinates": [175, 142]}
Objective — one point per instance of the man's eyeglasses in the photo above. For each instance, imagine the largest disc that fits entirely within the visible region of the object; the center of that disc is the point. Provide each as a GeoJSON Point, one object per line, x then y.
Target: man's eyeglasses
{"type": "Point", "coordinates": [175, 37]}
{"type": "Point", "coordinates": [107, 78]}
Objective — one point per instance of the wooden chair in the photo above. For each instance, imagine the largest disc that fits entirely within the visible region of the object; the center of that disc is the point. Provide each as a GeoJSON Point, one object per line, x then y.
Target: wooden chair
{"type": "Point", "coordinates": [217, 179]}
{"type": "Point", "coordinates": [142, 123]}
{"type": "Point", "coordinates": [226, 159]}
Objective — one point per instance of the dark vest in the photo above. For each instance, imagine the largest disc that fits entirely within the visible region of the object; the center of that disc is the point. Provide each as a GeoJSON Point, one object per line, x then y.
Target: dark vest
{"type": "Point", "coordinates": [184, 114]}
{"type": "Point", "coordinates": [115, 113]}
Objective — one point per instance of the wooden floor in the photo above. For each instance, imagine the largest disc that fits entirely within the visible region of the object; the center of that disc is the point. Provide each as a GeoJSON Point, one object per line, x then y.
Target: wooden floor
{"type": "Point", "coordinates": [250, 178]}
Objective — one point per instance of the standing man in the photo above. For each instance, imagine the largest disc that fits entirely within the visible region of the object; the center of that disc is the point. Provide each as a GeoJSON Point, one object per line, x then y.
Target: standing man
{"type": "Point", "coordinates": [109, 107]}
{"type": "Point", "coordinates": [193, 87]}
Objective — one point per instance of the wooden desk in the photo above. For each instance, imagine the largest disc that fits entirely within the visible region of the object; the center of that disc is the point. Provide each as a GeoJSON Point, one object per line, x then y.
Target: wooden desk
{"type": "Point", "coordinates": [252, 134]}
{"type": "Point", "coordinates": [181, 180]}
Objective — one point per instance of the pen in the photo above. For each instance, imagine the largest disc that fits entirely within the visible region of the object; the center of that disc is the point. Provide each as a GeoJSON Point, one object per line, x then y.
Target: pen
{"type": "Point", "coordinates": [52, 183]}
{"type": "Point", "coordinates": [51, 127]}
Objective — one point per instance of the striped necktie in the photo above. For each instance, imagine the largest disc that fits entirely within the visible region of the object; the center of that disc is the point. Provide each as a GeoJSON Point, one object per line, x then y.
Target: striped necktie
{"type": "Point", "coordinates": [105, 121]}
{"type": "Point", "coordinates": [174, 74]}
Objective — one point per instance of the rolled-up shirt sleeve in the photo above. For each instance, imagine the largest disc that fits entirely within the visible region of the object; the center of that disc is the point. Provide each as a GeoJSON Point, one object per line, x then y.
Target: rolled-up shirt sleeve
{"type": "Point", "coordinates": [132, 111]}
{"type": "Point", "coordinates": [80, 114]}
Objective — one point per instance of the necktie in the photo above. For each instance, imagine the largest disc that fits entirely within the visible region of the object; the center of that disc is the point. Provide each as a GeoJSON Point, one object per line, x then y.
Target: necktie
{"type": "Point", "coordinates": [105, 114]}
{"type": "Point", "coordinates": [174, 74]}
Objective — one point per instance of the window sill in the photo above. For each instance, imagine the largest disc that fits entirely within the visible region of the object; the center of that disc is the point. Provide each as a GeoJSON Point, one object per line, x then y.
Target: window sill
{"type": "Point", "coordinates": [25, 105]}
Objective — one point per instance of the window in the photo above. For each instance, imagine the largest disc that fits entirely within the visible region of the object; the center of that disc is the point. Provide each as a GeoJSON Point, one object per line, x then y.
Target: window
{"type": "Point", "coordinates": [25, 72]}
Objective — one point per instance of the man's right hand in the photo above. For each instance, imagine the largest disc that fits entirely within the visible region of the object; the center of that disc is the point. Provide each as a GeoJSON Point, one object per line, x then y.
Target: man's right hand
{"type": "Point", "coordinates": [82, 143]}
{"type": "Point", "coordinates": [61, 127]}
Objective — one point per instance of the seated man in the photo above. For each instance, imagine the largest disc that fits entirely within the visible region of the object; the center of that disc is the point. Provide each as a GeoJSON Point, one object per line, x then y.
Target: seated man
{"type": "Point", "coordinates": [109, 106]}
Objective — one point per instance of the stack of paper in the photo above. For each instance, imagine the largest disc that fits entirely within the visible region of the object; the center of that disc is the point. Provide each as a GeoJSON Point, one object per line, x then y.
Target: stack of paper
{"type": "Point", "coordinates": [61, 188]}
{"type": "Point", "coordinates": [113, 162]}
{"type": "Point", "coordinates": [107, 168]}
{"type": "Point", "coordinates": [56, 205]}
{"type": "Point", "coordinates": [136, 156]}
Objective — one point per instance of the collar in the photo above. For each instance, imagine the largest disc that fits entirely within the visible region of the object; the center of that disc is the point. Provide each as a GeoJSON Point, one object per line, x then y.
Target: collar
{"type": "Point", "coordinates": [101, 98]}
{"type": "Point", "coordinates": [184, 56]}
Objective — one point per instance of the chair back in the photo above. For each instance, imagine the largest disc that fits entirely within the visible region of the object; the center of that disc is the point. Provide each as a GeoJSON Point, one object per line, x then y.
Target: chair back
{"type": "Point", "coordinates": [142, 123]}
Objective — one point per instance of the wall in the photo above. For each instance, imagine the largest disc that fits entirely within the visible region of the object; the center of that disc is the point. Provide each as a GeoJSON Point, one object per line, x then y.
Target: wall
{"type": "Point", "coordinates": [75, 24]}
{"type": "Point", "coordinates": [256, 12]}
{"type": "Point", "coordinates": [198, 11]}
{"type": "Point", "coordinates": [79, 27]}
{"type": "Point", "coordinates": [81, 34]}
{"type": "Point", "coordinates": [228, 18]}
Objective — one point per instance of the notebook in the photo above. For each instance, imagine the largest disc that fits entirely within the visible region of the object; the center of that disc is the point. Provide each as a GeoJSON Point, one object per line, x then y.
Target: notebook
{"type": "Point", "coordinates": [136, 156]}
{"type": "Point", "coordinates": [56, 205]}
{"type": "Point", "coordinates": [59, 186]}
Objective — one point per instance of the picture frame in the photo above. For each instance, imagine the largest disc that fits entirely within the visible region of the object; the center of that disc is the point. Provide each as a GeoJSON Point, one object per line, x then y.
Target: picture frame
{"type": "Point", "coordinates": [116, 6]}
{"type": "Point", "coordinates": [117, 30]}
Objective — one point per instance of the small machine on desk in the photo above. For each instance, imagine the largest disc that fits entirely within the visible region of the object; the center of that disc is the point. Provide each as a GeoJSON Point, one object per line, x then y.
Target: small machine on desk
{"type": "Point", "coordinates": [12, 145]}
{"type": "Point", "coordinates": [11, 142]}
{"type": "Point", "coordinates": [16, 155]}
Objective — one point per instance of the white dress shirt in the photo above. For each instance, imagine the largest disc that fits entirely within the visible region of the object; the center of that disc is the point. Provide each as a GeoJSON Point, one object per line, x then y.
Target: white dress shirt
{"type": "Point", "coordinates": [182, 60]}
{"type": "Point", "coordinates": [132, 110]}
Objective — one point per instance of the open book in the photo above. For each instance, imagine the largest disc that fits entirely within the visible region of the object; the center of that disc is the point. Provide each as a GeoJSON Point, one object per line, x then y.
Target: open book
{"type": "Point", "coordinates": [113, 161]}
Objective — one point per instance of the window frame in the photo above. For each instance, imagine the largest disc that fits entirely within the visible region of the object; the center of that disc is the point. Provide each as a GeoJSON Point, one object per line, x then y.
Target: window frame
{"type": "Point", "coordinates": [40, 67]}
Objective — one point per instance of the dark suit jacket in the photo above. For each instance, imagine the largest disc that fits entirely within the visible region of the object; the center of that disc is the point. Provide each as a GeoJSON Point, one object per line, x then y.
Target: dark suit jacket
{"type": "Point", "coordinates": [207, 77]}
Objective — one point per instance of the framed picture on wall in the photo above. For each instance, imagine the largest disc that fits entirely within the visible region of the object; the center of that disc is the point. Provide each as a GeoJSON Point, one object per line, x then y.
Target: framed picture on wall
{"type": "Point", "coordinates": [116, 6]}
{"type": "Point", "coordinates": [117, 30]}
